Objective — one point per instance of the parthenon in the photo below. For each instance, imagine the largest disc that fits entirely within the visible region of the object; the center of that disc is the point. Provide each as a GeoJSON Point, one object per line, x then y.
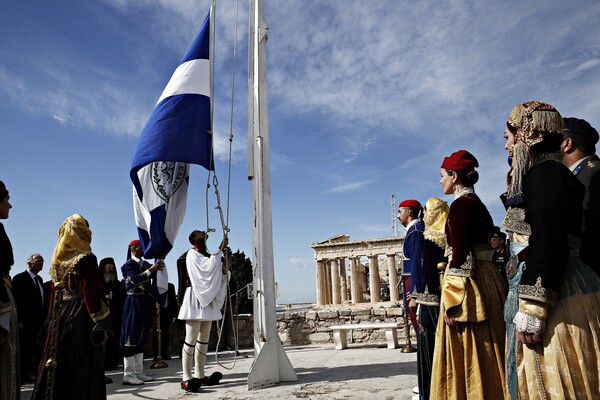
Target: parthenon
{"type": "Point", "coordinates": [332, 283]}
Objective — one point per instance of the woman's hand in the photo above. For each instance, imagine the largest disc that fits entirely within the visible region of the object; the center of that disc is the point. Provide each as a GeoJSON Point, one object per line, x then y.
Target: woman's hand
{"type": "Point", "coordinates": [529, 328]}
{"type": "Point", "coordinates": [528, 338]}
{"type": "Point", "coordinates": [449, 321]}
{"type": "Point", "coordinates": [412, 304]}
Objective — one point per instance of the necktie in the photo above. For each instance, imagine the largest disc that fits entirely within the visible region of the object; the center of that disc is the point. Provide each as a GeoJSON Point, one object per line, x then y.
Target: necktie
{"type": "Point", "coordinates": [38, 281]}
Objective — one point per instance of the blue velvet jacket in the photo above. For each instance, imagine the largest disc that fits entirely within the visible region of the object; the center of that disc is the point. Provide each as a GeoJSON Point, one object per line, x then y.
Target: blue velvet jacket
{"type": "Point", "coordinates": [411, 249]}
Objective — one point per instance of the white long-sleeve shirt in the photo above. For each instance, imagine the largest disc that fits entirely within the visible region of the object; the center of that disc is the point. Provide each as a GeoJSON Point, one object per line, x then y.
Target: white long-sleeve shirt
{"type": "Point", "coordinates": [205, 298]}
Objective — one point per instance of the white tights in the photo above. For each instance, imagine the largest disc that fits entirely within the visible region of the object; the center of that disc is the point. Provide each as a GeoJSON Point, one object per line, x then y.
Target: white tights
{"type": "Point", "coordinates": [197, 334]}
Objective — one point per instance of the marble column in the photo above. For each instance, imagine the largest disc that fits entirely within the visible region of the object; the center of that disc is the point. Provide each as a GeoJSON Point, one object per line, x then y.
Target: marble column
{"type": "Point", "coordinates": [343, 279]}
{"type": "Point", "coordinates": [374, 283]}
{"type": "Point", "coordinates": [327, 282]}
{"type": "Point", "coordinates": [321, 282]}
{"type": "Point", "coordinates": [355, 285]}
{"type": "Point", "coordinates": [335, 281]}
{"type": "Point", "coordinates": [393, 278]}
{"type": "Point", "coordinates": [362, 279]}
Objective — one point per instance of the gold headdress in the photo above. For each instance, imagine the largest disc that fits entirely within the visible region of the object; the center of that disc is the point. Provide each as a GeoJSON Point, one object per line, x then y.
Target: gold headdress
{"type": "Point", "coordinates": [74, 239]}
{"type": "Point", "coordinates": [435, 221]}
{"type": "Point", "coordinates": [532, 122]}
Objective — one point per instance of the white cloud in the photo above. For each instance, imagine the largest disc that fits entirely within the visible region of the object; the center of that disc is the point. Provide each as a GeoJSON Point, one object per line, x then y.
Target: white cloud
{"type": "Point", "coordinates": [345, 187]}
{"type": "Point", "coordinates": [299, 263]}
{"type": "Point", "coordinates": [62, 119]}
{"type": "Point", "coordinates": [378, 230]}
{"type": "Point", "coordinates": [583, 67]}
{"type": "Point", "coordinates": [392, 68]}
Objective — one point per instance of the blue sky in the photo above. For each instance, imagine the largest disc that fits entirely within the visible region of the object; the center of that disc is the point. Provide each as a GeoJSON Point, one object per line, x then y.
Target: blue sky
{"type": "Point", "coordinates": [365, 100]}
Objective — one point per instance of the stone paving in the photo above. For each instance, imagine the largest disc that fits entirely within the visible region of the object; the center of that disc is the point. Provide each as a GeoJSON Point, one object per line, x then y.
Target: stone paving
{"type": "Point", "coordinates": [363, 371]}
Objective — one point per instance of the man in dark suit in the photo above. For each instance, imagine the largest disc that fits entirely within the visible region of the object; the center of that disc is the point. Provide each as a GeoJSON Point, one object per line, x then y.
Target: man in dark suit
{"type": "Point", "coordinates": [28, 290]}
{"type": "Point", "coordinates": [183, 278]}
{"type": "Point", "coordinates": [500, 257]}
{"type": "Point", "coordinates": [579, 154]}
{"type": "Point", "coordinates": [168, 311]}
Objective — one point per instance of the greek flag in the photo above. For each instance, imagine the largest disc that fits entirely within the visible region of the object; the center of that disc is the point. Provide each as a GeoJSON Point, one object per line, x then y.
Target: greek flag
{"type": "Point", "coordinates": [177, 133]}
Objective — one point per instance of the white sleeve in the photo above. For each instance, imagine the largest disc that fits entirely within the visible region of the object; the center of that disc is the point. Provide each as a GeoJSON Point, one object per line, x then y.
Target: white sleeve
{"type": "Point", "coordinates": [206, 276]}
{"type": "Point", "coordinates": [220, 299]}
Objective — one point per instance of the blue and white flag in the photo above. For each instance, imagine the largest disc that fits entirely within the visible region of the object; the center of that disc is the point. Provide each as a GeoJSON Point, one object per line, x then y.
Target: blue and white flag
{"type": "Point", "coordinates": [177, 133]}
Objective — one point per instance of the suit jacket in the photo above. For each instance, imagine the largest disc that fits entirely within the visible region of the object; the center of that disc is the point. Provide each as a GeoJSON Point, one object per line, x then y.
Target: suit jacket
{"type": "Point", "coordinates": [168, 301]}
{"type": "Point", "coordinates": [585, 172]}
{"type": "Point", "coordinates": [31, 307]}
{"type": "Point", "coordinates": [589, 175]}
{"type": "Point", "coordinates": [183, 278]}
{"type": "Point", "coordinates": [172, 303]}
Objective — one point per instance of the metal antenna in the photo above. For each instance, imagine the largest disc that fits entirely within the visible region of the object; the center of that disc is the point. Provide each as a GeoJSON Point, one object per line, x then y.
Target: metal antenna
{"type": "Point", "coordinates": [394, 219]}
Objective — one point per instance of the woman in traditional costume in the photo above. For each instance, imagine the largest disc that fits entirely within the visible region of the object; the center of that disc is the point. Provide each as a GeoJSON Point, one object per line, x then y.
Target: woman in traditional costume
{"type": "Point", "coordinates": [518, 233]}
{"type": "Point", "coordinates": [72, 365]}
{"type": "Point", "coordinates": [426, 288]}
{"type": "Point", "coordinates": [468, 361]}
{"type": "Point", "coordinates": [557, 324]}
{"type": "Point", "coordinates": [10, 385]}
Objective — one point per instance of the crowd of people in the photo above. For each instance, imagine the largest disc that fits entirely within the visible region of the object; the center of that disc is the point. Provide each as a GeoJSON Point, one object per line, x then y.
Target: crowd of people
{"type": "Point", "coordinates": [64, 334]}
{"type": "Point", "coordinates": [513, 314]}
{"type": "Point", "coordinates": [500, 312]}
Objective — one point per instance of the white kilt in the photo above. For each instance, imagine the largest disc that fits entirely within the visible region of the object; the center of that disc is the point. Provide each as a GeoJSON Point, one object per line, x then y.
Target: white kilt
{"type": "Point", "coordinates": [192, 310]}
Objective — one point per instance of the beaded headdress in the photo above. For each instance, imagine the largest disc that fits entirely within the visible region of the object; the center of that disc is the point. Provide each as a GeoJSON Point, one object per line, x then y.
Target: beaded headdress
{"type": "Point", "coordinates": [532, 122]}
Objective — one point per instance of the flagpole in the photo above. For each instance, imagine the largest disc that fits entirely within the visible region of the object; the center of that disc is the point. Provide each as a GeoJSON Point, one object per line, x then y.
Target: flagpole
{"type": "Point", "coordinates": [271, 364]}
{"type": "Point", "coordinates": [211, 52]}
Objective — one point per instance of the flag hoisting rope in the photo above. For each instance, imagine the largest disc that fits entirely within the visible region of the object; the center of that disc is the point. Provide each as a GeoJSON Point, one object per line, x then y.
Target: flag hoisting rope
{"type": "Point", "coordinates": [177, 133]}
{"type": "Point", "coordinates": [271, 364]}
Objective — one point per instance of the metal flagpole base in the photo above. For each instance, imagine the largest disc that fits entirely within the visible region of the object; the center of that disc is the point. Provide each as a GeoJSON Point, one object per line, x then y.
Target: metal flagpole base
{"type": "Point", "coordinates": [263, 374]}
{"type": "Point", "coordinates": [408, 349]}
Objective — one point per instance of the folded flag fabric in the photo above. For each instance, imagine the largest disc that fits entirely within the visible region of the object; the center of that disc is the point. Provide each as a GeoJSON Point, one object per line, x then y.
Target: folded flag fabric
{"type": "Point", "coordinates": [178, 133]}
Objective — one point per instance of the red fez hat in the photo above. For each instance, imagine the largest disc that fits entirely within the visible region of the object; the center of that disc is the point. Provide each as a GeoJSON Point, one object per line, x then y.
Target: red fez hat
{"type": "Point", "coordinates": [410, 203]}
{"type": "Point", "coordinates": [134, 242]}
{"type": "Point", "coordinates": [460, 160]}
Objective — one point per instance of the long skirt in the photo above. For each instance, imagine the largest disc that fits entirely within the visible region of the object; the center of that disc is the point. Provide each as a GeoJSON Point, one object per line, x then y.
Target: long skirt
{"type": "Point", "coordinates": [565, 364]}
{"type": "Point", "coordinates": [80, 371]}
{"type": "Point", "coordinates": [468, 361]}
{"type": "Point", "coordinates": [428, 320]}
{"type": "Point", "coordinates": [10, 385]}
{"type": "Point", "coordinates": [514, 272]}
